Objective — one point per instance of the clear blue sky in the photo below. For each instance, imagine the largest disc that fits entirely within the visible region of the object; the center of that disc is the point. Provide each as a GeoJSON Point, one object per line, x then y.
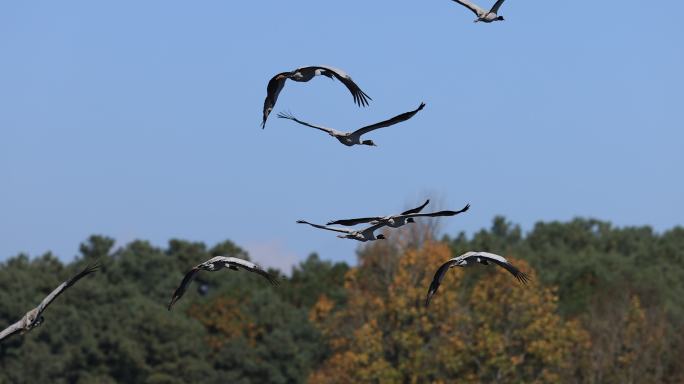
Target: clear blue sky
{"type": "Point", "coordinates": [140, 119]}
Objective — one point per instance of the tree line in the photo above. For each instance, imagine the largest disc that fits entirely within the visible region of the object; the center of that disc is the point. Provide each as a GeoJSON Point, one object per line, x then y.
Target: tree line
{"type": "Point", "coordinates": [605, 305]}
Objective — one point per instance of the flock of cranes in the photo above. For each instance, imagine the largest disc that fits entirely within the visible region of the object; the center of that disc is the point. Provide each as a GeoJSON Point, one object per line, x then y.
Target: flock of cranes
{"type": "Point", "coordinates": [34, 317]}
{"type": "Point", "coordinates": [392, 221]}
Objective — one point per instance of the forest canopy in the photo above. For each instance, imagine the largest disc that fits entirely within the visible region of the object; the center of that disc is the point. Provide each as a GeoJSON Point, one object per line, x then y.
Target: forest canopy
{"type": "Point", "coordinates": [604, 305]}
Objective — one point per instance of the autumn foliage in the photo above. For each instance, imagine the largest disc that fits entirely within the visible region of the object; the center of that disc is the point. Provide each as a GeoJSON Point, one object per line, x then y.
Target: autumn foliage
{"type": "Point", "coordinates": [493, 331]}
{"type": "Point", "coordinates": [604, 305]}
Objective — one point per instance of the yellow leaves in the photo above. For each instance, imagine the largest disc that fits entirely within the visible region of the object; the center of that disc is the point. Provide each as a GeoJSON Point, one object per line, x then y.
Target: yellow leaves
{"type": "Point", "coordinates": [494, 331]}
{"type": "Point", "coordinates": [223, 319]}
{"type": "Point", "coordinates": [637, 333]}
{"type": "Point", "coordinates": [321, 310]}
{"type": "Point", "coordinates": [520, 324]}
{"type": "Point", "coordinates": [363, 363]}
{"type": "Point", "coordinates": [628, 343]}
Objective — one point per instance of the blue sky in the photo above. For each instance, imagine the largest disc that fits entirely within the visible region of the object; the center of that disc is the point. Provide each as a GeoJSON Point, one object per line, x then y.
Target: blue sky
{"type": "Point", "coordinates": [141, 119]}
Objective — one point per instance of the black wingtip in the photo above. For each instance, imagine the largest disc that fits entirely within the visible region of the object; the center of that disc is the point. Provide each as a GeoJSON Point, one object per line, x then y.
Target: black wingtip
{"type": "Point", "coordinates": [523, 278]}
{"type": "Point", "coordinates": [91, 268]}
{"type": "Point", "coordinates": [284, 115]}
{"type": "Point", "coordinates": [361, 99]}
{"type": "Point", "coordinates": [94, 267]}
{"type": "Point", "coordinates": [272, 278]}
{"type": "Point", "coordinates": [174, 298]}
{"type": "Point", "coordinates": [424, 204]}
{"type": "Point", "coordinates": [422, 105]}
{"type": "Point", "coordinates": [428, 298]}
{"type": "Point", "coordinates": [434, 286]}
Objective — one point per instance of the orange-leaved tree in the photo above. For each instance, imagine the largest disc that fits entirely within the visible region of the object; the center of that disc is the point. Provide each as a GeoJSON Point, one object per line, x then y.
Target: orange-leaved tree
{"type": "Point", "coordinates": [489, 331]}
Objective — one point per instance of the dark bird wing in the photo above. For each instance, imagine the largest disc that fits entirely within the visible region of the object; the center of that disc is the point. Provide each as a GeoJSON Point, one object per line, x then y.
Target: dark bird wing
{"type": "Point", "coordinates": [502, 262]}
{"type": "Point", "coordinates": [289, 116]}
{"type": "Point", "coordinates": [351, 222]}
{"type": "Point", "coordinates": [361, 220]}
{"type": "Point", "coordinates": [62, 287]}
{"type": "Point", "coordinates": [438, 213]}
{"type": "Point", "coordinates": [342, 230]}
{"type": "Point", "coordinates": [271, 278]}
{"type": "Point", "coordinates": [437, 280]}
{"type": "Point", "coordinates": [396, 119]}
{"type": "Point", "coordinates": [249, 266]}
{"type": "Point", "coordinates": [417, 209]}
{"type": "Point", "coordinates": [178, 293]}
{"type": "Point", "coordinates": [275, 85]}
{"type": "Point", "coordinates": [368, 231]}
{"type": "Point", "coordinates": [476, 10]}
{"type": "Point", "coordinates": [11, 330]}
{"type": "Point", "coordinates": [360, 97]}
{"type": "Point", "coordinates": [495, 8]}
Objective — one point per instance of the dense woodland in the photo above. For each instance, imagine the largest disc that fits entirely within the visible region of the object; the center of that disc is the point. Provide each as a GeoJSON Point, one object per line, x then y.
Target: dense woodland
{"type": "Point", "coordinates": [605, 305]}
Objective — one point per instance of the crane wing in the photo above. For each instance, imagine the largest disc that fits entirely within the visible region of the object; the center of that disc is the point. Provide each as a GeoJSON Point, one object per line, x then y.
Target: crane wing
{"type": "Point", "coordinates": [361, 220]}
{"type": "Point", "coordinates": [251, 267]}
{"type": "Point", "coordinates": [417, 209]}
{"type": "Point", "coordinates": [11, 330]}
{"type": "Point", "coordinates": [352, 222]}
{"type": "Point", "coordinates": [62, 287]}
{"type": "Point", "coordinates": [360, 97]}
{"type": "Point", "coordinates": [438, 213]}
{"type": "Point", "coordinates": [502, 262]}
{"type": "Point", "coordinates": [341, 230]}
{"type": "Point", "coordinates": [178, 293]}
{"type": "Point", "coordinates": [437, 280]}
{"type": "Point", "coordinates": [476, 10]}
{"type": "Point", "coordinates": [497, 5]}
{"type": "Point", "coordinates": [368, 231]}
{"type": "Point", "coordinates": [396, 119]}
{"type": "Point", "coordinates": [289, 116]}
{"type": "Point", "coordinates": [275, 85]}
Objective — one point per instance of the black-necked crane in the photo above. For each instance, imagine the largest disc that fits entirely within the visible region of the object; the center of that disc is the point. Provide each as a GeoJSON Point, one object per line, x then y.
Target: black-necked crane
{"type": "Point", "coordinates": [34, 317]}
{"type": "Point", "coordinates": [482, 14]}
{"type": "Point", "coordinates": [363, 235]}
{"type": "Point", "coordinates": [396, 221]}
{"type": "Point", "coordinates": [469, 259]}
{"type": "Point", "coordinates": [304, 74]}
{"type": "Point", "coordinates": [354, 138]}
{"type": "Point", "coordinates": [217, 263]}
